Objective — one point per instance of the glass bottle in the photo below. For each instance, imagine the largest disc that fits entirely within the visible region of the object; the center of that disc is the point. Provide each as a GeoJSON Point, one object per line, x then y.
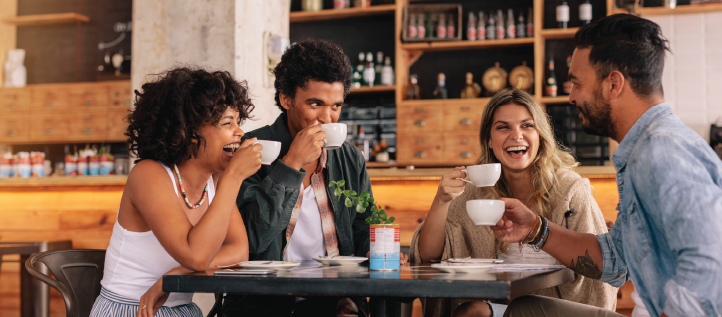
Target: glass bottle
{"type": "Point", "coordinates": [500, 29]}
{"type": "Point", "coordinates": [567, 87]}
{"type": "Point", "coordinates": [440, 90]}
{"type": "Point", "coordinates": [520, 27]}
{"type": "Point", "coordinates": [530, 23]}
{"type": "Point", "coordinates": [510, 25]}
{"type": "Point", "coordinates": [430, 25]}
{"type": "Point", "coordinates": [369, 73]}
{"type": "Point", "coordinates": [563, 15]}
{"type": "Point", "coordinates": [551, 88]}
{"type": "Point", "coordinates": [471, 28]}
{"type": "Point", "coordinates": [387, 73]}
{"type": "Point", "coordinates": [450, 27]}
{"type": "Point", "coordinates": [481, 27]}
{"type": "Point", "coordinates": [441, 26]}
{"type": "Point", "coordinates": [491, 27]}
{"type": "Point", "coordinates": [411, 30]}
{"type": "Point", "coordinates": [420, 28]}
{"type": "Point", "coordinates": [362, 143]}
{"type": "Point", "coordinates": [585, 12]}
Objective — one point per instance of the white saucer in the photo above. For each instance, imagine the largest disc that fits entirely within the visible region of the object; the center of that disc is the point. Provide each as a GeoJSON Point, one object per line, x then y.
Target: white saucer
{"type": "Point", "coordinates": [341, 260]}
{"type": "Point", "coordinates": [463, 267]}
{"type": "Point", "coordinates": [262, 265]}
{"type": "Point", "coordinates": [473, 260]}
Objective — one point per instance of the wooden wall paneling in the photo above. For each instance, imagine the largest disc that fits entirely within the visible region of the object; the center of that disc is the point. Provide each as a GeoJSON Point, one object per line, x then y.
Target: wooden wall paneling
{"type": "Point", "coordinates": [408, 201]}
{"type": "Point", "coordinates": [607, 196]}
{"type": "Point", "coordinates": [14, 128]}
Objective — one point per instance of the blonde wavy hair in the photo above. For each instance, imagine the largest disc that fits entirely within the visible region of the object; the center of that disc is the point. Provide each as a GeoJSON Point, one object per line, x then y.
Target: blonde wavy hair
{"type": "Point", "coordinates": [551, 156]}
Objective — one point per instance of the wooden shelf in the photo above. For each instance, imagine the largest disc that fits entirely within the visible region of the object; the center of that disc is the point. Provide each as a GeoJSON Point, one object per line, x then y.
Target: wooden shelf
{"type": "Point", "coordinates": [375, 89]}
{"type": "Point", "coordinates": [554, 100]}
{"type": "Point", "coordinates": [333, 14]}
{"type": "Point", "coordinates": [558, 34]}
{"type": "Point", "coordinates": [447, 102]}
{"type": "Point", "coordinates": [466, 45]}
{"type": "Point", "coordinates": [682, 9]}
{"type": "Point", "coordinates": [54, 18]}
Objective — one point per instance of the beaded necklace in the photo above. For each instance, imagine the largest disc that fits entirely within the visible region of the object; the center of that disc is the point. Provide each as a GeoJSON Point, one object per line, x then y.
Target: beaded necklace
{"type": "Point", "coordinates": [183, 191]}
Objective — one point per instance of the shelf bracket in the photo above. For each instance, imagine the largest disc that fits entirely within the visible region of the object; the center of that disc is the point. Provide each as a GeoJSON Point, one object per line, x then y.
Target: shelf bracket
{"type": "Point", "coordinates": [414, 56]}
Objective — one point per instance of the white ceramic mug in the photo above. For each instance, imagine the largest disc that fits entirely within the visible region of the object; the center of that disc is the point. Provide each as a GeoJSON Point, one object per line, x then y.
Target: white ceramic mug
{"type": "Point", "coordinates": [483, 175]}
{"type": "Point", "coordinates": [485, 212]}
{"type": "Point", "coordinates": [335, 135]}
{"type": "Point", "coordinates": [270, 151]}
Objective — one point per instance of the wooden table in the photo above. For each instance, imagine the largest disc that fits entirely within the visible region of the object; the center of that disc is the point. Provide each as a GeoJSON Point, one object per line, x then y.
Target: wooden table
{"type": "Point", "coordinates": [34, 294]}
{"type": "Point", "coordinates": [386, 288]}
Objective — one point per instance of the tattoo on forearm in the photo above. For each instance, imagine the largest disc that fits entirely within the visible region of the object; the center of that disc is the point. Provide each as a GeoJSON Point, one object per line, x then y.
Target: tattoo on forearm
{"type": "Point", "coordinates": [586, 266]}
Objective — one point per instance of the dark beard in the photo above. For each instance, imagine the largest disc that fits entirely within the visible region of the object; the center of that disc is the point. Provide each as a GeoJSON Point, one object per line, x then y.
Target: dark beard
{"type": "Point", "coordinates": [599, 117]}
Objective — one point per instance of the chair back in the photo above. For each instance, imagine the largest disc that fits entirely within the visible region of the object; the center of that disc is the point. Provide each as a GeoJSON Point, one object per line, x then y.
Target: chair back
{"type": "Point", "coordinates": [77, 276]}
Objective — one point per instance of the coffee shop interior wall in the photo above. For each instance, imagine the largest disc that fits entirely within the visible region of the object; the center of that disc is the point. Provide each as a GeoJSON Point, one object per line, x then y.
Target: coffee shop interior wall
{"type": "Point", "coordinates": [218, 34]}
{"type": "Point", "coordinates": [692, 77]}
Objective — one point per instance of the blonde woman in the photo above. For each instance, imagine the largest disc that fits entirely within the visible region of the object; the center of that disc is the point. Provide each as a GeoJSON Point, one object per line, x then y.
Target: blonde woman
{"type": "Point", "coordinates": [515, 131]}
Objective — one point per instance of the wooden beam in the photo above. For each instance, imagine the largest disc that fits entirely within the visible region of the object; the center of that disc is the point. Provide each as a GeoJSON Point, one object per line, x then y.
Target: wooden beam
{"type": "Point", "coordinates": [53, 18]}
{"type": "Point", "coordinates": [8, 33]}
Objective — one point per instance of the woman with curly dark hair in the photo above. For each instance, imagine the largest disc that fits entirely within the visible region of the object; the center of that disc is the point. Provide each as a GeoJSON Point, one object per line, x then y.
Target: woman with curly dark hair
{"type": "Point", "coordinates": [178, 211]}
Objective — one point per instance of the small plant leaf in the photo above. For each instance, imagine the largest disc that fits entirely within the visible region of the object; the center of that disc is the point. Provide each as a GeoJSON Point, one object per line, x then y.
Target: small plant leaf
{"type": "Point", "coordinates": [341, 183]}
{"type": "Point", "coordinates": [353, 193]}
{"type": "Point", "coordinates": [337, 192]}
{"type": "Point", "coordinates": [347, 192]}
{"type": "Point", "coordinates": [360, 208]}
{"type": "Point", "coordinates": [365, 205]}
{"type": "Point", "coordinates": [348, 202]}
{"type": "Point", "coordinates": [331, 183]}
{"type": "Point", "coordinates": [391, 219]}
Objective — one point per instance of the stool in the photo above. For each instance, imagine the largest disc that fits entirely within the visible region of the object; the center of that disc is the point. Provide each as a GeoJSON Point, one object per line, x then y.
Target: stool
{"type": "Point", "coordinates": [34, 294]}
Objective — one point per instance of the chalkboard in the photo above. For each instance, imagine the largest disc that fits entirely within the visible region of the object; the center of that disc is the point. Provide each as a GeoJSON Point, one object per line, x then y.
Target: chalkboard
{"type": "Point", "coordinates": [61, 53]}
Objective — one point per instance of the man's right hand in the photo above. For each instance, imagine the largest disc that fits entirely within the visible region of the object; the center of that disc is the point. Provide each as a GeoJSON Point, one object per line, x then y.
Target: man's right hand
{"type": "Point", "coordinates": [306, 147]}
{"type": "Point", "coordinates": [516, 222]}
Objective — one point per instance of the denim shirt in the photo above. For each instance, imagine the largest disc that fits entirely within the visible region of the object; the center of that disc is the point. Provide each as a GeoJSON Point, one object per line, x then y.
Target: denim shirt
{"type": "Point", "coordinates": [668, 234]}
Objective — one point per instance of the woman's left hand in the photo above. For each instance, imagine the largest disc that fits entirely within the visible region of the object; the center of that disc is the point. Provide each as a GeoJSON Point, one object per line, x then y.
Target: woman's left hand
{"type": "Point", "coordinates": [152, 300]}
{"type": "Point", "coordinates": [404, 258]}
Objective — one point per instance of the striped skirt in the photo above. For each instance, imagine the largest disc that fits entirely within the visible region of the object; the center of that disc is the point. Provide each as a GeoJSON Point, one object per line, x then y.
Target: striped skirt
{"type": "Point", "coordinates": [111, 304]}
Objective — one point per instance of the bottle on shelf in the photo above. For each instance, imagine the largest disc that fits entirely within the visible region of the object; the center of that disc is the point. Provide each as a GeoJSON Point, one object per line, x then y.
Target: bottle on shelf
{"type": "Point", "coordinates": [362, 143]}
{"type": "Point", "coordinates": [471, 90]}
{"type": "Point", "coordinates": [361, 62]}
{"type": "Point", "coordinates": [500, 29]}
{"type": "Point", "coordinates": [413, 91]}
{"type": "Point", "coordinates": [429, 25]}
{"type": "Point", "coordinates": [585, 12]}
{"type": "Point", "coordinates": [481, 27]}
{"type": "Point", "coordinates": [440, 90]}
{"type": "Point", "coordinates": [420, 28]}
{"type": "Point", "coordinates": [379, 66]}
{"type": "Point", "coordinates": [563, 15]}
{"type": "Point", "coordinates": [520, 27]}
{"type": "Point", "coordinates": [510, 25]}
{"type": "Point", "coordinates": [491, 27]}
{"type": "Point", "coordinates": [551, 88]}
{"type": "Point", "coordinates": [341, 4]}
{"type": "Point", "coordinates": [387, 73]}
{"type": "Point", "coordinates": [530, 23]}
{"type": "Point", "coordinates": [441, 26]}
{"type": "Point", "coordinates": [450, 27]}
{"type": "Point", "coordinates": [471, 28]}
{"type": "Point", "coordinates": [567, 87]}
{"type": "Point", "coordinates": [411, 30]}
{"type": "Point", "coordinates": [369, 73]}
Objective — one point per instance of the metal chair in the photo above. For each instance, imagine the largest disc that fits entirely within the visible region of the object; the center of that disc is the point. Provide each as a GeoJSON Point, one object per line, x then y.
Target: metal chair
{"type": "Point", "coordinates": [77, 276]}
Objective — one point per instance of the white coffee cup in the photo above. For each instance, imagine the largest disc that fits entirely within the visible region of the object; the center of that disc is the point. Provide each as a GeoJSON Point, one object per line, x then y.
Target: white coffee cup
{"type": "Point", "coordinates": [485, 212]}
{"type": "Point", "coordinates": [335, 135]}
{"type": "Point", "coordinates": [270, 151]}
{"type": "Point", "coordinates": [483, 175]}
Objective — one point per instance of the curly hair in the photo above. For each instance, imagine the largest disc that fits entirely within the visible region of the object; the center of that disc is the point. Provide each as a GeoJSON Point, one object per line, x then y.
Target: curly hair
{"type": "Point", "coordinates": [551, 156]}
{"type": "Point", "coordinates": [319, 60]}
{"type": "Point", "coordinates": [170, 111]}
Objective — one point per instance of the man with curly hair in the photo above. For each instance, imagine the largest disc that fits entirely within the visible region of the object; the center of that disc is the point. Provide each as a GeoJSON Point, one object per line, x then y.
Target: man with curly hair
{"type": "Point", "coordinates": [288, 208]}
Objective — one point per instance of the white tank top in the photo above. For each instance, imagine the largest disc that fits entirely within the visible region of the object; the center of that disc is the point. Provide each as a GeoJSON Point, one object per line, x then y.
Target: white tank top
{"type": "Point", "coordinates": [134, 261]}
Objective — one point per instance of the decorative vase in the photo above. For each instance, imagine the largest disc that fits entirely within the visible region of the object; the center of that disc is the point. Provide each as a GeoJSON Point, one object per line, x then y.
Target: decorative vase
{"type": "Point", "coordinates": [16, 75]}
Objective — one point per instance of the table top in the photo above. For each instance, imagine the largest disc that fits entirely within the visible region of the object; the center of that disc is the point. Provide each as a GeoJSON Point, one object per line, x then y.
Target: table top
{"type": "Point", "coordinates": [313, 279]}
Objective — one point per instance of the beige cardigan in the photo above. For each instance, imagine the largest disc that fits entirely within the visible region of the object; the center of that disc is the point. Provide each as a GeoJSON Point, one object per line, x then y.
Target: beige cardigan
{"type": "Point", "coordinates": [464, 238]}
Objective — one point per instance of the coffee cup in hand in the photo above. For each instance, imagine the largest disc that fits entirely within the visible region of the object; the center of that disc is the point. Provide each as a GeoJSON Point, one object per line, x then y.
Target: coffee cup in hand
{"type": "Point", "coordinates": [270, 151]}
{"type": "Point", "coordinates": [485, 212]}
{"type": "Point", "coordinates": [482, 175]}
{"type": "Point", "coordinates": [335, 135]}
